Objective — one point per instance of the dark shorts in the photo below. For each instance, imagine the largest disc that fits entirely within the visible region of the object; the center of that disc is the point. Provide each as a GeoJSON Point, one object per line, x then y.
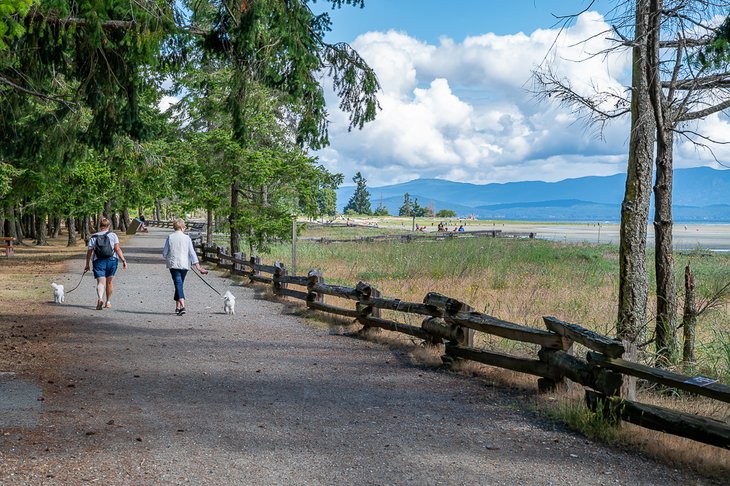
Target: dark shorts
{"type": "Point", "coordinates": [105, 267]}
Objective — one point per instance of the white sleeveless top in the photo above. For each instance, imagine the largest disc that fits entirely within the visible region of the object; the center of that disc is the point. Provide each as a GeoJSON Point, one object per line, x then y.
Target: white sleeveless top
{"type": "Point", "coordinates": [177, 251]}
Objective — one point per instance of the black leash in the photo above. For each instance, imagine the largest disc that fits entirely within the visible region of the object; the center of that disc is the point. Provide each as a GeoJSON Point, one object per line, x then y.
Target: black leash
{"type": "Point", "coordinates": [77, 285]}
{"type": "Point", "coordinates": [206, 283]}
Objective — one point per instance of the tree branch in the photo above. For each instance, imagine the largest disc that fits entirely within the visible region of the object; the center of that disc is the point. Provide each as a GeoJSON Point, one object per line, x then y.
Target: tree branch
{"type": "Point", "coordinates": [696, 115]}
{"type": "Point", "coordinates": [37, 94]}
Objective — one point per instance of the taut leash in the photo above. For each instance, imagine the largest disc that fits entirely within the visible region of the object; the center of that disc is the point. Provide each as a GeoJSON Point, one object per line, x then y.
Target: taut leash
{"type": "Point", "coordinates": [77, 285]}
{"type": "Point", "coordinates": [206, 283]}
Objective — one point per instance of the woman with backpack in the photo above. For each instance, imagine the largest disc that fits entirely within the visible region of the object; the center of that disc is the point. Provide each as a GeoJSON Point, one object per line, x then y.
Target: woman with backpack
{"type": "Point", "coordinates": [106, 253]}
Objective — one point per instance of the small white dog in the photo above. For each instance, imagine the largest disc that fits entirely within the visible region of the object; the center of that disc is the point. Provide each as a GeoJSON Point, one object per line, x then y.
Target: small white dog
{"type": "Point", "coordinates": [229, 303]}
{"type": "Point", "coordinates": [58, 294]}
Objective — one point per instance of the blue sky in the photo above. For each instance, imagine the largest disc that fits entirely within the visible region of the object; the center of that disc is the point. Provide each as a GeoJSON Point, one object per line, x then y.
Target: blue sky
{"type": "Point", "coordinates": [428, 20]}
{"type": "Point", "coordinates": [456, 102]}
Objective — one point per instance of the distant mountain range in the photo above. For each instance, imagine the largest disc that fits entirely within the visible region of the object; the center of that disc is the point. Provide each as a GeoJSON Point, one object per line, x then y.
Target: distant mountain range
{"type": "Point", "coordinates": [701, 194]}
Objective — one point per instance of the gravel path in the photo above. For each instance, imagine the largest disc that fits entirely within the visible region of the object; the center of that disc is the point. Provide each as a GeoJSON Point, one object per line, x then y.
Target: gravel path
{"type": "Point", "coordinates": [138, 395]}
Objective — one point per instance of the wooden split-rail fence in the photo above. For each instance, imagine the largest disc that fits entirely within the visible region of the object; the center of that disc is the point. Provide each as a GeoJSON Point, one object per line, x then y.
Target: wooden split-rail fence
{"type": "Point", "coordinates": [452, 323]}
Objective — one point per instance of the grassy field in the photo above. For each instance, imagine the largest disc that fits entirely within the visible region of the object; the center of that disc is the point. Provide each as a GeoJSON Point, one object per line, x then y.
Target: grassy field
{"type": "Point", "coordinates": [518, 280]}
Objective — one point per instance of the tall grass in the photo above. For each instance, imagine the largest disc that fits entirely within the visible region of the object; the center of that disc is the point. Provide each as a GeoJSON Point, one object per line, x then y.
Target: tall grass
{"type": "Point", "coordinates": [519, 280]}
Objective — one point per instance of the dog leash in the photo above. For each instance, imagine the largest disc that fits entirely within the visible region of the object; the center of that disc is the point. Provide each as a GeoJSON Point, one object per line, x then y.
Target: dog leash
{"type": "Point", "coordinates": [206, 283]}
{"type": "Point", "coordinates": [77, 285]}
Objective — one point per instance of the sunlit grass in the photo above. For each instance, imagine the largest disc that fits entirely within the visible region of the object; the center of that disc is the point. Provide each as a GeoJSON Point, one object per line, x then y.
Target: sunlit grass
{"type": "Point", "coordinates": [518, 280]}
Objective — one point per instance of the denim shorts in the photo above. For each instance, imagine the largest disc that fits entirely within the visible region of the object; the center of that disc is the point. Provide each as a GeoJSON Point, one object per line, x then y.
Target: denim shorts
{"type": "Point", "coordinates": [105, 267]}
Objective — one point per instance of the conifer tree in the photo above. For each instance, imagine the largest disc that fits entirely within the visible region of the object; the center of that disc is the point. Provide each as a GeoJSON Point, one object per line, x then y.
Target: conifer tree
{"type": "Point", "coordinates": [406, 209]}
{"type": "Point", "coordinates": [360, 200]}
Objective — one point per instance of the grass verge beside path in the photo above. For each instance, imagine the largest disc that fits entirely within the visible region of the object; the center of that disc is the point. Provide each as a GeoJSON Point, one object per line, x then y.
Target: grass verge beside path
{"type": "Point", "coordinates": [26, 300]}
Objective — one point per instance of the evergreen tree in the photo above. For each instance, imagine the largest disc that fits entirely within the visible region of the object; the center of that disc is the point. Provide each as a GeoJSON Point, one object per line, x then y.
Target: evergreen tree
{"type": "Point", "coordinates": [381, 211]}
{"type": "Point", "coordinates": [360, 200]}
{"type": "Point", "coordinates": [406, 209]}
{"type": "Point", "coordinates": [417, 210]}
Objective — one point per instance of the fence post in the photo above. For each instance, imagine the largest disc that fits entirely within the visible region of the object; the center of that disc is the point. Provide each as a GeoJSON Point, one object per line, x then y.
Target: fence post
{"type": "Point", "coordinates": [279, 271]}
{"type": "Point", "coordinates": [315, 278]}
{"type": "Point", "coordinates": [255, 261]}
{"type": "Point", "coordinates": [366, 292]}
{"type": "Point", "coordinates": [463, 336]}
{"type": "Point", "coordinates": [237, 267]}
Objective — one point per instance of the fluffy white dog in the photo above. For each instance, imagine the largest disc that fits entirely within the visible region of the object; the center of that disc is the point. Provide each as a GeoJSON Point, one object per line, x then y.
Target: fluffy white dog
{"type": "Point", "coordinates": [58, 293]}
{"type": "Point", "coordinates": [229, 303]}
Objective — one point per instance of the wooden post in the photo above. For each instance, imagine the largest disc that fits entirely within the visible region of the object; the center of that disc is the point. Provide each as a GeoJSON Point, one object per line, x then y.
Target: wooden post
{"type": "Point", "coordinates": [628, 389]}
{"type": "Point", "coordinates": [548, 385]}
{"type": "Point", "coordinates": [254, 262]}
{"type": "Point", "coordinates": [367, 292]}
{"type": "Point", "coordinates": [294, 246]}
{"type": "Point", "coordinates": [449, 306]}
{"type": "Point", "coordinates": [689, 317]}
{"type": "Point", "coordinates": [279, 271]}
{"type": "Point", "coordinates": [237, 267]}
{"type": "Point", "coordinates": [315, 278]}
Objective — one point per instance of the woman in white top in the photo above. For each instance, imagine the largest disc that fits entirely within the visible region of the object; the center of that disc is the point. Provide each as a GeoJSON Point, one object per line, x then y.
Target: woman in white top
{"type": "Point", "coordinates": [105, 267]}
{"type": "Point", "coordinates": [179, 254]}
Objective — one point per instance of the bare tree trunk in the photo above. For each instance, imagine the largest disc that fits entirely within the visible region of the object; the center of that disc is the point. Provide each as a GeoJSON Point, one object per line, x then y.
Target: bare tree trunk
{"type": "Point", "coordinates": [633, 279]}
{"type": "Point", "coordinates": [71, 227]}
{"type": "Point", "coordinates": [2, 221]}
{"type": "Point", "coordinates": [209, 227]}
{"type": "Point", "coordinates": [85, 233]}
{"type": "Point", "coordinates": [107, 212]}
{"type": "Point", "coordinates": [666, 290]}
{"type": "Point", "coordinates": [56, 225]}
{"type": "Point", "coordinates": [125, 219]}
{"type": "Point", "coordinates": [29, 223]}
{"type": "Point", "coordinates": [18, 226]}
{"type": "Point", "coordinates": [689, 319]}
{"type": "Point", "coordinates": [157, 210]}
{"type": "Point", "coordinates": [10, 222]}
{"type": "Point", "coordinates": [232, 219]}
{"type": "Point", "coordinates": [40, 230]}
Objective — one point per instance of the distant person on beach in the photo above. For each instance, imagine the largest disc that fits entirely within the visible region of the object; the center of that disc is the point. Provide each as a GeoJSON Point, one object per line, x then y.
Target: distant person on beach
{"type": "Point", "coordinates": [105, 253]}
{"type": "Point", "coordinates": [179, 254]}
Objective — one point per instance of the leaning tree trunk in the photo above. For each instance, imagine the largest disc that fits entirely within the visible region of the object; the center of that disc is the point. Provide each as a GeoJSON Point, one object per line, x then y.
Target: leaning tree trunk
{"type": "Point", "coordinates": [666, 291]}
{"type": "Point", "coordinates": [633, 280]}
{"type": "Point", "coordinates": [71, 228]}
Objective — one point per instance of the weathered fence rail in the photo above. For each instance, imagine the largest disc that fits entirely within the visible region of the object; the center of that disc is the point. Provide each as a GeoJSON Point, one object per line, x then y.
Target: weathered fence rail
{"type": "Point", "coordinates": [452, 323]}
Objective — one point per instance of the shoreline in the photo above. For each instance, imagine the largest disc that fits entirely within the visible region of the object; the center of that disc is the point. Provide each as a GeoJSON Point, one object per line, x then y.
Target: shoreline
{"type": "Point", "coordinates": [686, 236]}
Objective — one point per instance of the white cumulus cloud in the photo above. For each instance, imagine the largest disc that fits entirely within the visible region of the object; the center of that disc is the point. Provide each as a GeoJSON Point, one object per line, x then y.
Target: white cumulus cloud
{"type": "Point", "coordinates": [467, 111]}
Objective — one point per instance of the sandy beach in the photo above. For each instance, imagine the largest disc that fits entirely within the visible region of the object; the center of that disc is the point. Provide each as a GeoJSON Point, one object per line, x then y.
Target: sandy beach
{"type": "Point", "coordinates": [715, 237]}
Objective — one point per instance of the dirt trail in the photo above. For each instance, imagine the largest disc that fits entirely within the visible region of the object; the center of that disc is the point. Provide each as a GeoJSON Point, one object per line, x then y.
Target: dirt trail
{"type": "Point", "coordinates": [138, 395]}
